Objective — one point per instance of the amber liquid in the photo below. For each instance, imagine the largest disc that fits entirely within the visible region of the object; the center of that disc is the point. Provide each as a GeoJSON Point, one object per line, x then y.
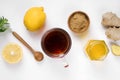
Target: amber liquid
{"type": "Point", "coordinates": [56, 44]}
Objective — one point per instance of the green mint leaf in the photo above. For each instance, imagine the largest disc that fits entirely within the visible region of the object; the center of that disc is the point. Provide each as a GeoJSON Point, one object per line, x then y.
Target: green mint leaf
{"type": "Point", "coordinates": [3, 24]}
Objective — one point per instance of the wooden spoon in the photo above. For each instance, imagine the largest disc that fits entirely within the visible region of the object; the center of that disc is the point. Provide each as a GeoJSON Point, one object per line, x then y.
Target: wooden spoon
{"type": "Point", "coordinates": [37, 55]}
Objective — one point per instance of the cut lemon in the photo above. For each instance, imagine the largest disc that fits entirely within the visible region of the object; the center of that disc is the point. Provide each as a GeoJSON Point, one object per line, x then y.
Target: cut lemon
{"type": "Point", "coordinates": [12, 53]}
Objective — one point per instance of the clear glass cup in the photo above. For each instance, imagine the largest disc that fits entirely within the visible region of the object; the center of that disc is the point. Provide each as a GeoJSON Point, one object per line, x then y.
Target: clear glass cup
{"type": "Point", "coordinates": [56, 43]}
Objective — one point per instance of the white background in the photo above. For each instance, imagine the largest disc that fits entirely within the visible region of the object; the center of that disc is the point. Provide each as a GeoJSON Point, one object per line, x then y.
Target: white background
{"type": "Point", "coordinates": [58, 11]}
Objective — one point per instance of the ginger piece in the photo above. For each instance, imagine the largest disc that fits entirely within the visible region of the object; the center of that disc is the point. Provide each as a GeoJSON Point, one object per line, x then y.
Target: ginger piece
{"type": "Point", "coordinates": [112, 22]}
{"type": "Point", "coordinates": [113, 33]}
{"type": "Point", "coordinates": [110, 19]}
{"type": "Point", "coordinates": [116, 49]}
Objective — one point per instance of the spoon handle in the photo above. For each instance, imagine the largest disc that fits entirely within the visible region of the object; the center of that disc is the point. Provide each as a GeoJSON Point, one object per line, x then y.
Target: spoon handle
{"type": "Point", "coordinates": [23, 41]}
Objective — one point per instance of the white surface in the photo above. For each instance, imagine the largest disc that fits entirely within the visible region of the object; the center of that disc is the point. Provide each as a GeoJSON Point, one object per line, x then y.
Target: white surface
{"type": "Point", "coordinates": [57, 11]}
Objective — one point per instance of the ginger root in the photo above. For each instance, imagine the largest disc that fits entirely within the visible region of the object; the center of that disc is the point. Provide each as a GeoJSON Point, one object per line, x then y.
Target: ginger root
{"type": "Point", "coordinates": [112, 22]}
{"type": "Point", "coordinates": [113, 33]}
{"type": "Point", "coordinates": [110, 19]}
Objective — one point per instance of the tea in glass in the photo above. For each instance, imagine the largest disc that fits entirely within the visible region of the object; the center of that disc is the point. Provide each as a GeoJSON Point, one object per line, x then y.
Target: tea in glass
{"type": "Point", "coordinates": [56, 43]}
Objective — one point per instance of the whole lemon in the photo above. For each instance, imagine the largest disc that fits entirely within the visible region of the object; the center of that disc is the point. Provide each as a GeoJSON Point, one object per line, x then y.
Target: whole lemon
{"type": "Point", "coordinates": [34, 18]}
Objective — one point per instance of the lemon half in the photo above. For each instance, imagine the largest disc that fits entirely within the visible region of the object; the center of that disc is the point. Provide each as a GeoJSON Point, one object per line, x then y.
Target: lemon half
{"type": "Point", "coordinates": [12, 53]}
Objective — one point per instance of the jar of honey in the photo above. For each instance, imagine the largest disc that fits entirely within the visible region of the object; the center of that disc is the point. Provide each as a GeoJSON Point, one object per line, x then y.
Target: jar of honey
{"type": "Point", "coordinates": [96, 49]}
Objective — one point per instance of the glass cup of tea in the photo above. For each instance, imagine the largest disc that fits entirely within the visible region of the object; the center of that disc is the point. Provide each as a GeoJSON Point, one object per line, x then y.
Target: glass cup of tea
{"type": "Point", "coordinates": [56, 43]}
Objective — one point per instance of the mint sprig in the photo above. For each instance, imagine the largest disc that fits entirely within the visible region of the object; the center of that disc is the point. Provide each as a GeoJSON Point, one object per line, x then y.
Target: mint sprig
{"type": "Point", "coordinates": [3, 24]}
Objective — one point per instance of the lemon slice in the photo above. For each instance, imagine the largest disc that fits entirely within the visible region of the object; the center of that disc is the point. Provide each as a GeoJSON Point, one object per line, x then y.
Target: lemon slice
{"type": "Point", "coordinates": [12, 53]}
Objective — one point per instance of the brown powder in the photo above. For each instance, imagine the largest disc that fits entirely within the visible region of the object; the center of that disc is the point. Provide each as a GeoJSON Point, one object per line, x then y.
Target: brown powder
{"type": "Point", "coordinates": [78, 22]}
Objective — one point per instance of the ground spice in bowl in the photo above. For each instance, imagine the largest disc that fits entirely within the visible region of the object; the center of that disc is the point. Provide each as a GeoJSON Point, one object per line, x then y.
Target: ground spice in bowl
{"type": "Point", "coordinates": [78, 22]}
